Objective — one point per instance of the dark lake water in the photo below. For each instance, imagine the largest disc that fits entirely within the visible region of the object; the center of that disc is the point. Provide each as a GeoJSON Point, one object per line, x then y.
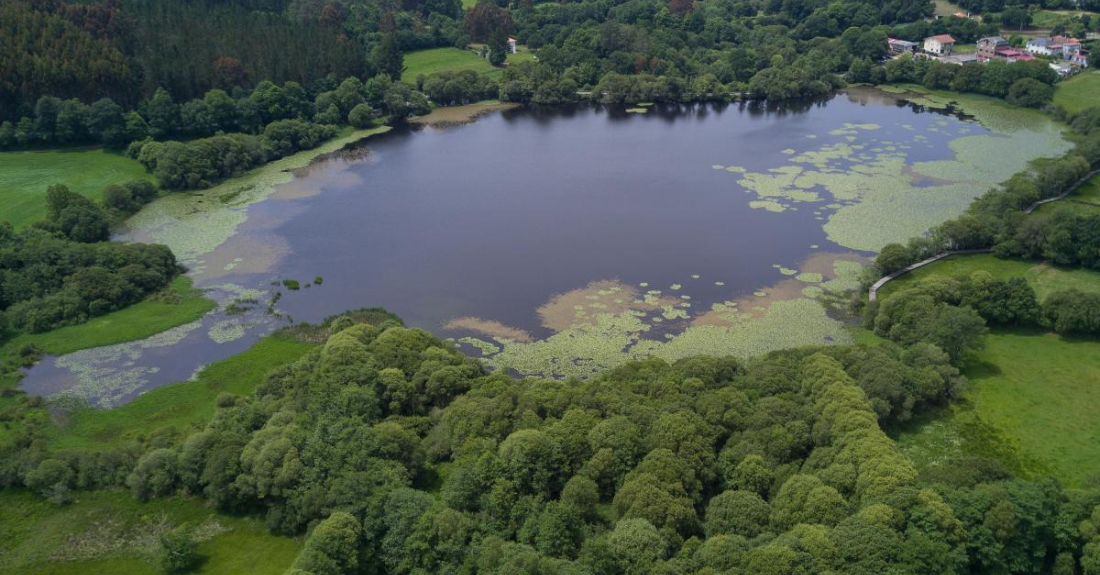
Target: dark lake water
{"type": "Point", "coordinates": [493, 218]}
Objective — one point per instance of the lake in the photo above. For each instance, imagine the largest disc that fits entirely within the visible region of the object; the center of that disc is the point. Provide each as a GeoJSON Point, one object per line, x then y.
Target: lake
{"type": "Point", "coordinates": [559, 242]}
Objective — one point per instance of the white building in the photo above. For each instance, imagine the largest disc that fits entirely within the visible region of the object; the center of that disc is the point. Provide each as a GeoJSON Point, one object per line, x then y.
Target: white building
{"type": "Point", "coordinates": [940, 45]}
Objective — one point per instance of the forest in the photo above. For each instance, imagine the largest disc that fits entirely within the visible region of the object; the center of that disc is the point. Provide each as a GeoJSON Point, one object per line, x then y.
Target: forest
{"type": "Point", "coordinates": [400, 455]}
{"type": "Point", "coordinates": [641, 50]}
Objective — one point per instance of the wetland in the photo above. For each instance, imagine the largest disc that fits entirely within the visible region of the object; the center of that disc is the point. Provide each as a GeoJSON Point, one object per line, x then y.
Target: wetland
{"type": "Point", "coordinates": [561, 242]}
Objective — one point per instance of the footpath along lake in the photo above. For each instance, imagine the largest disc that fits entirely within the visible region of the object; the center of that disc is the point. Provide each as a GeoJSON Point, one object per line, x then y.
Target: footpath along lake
{"type": "Point", "coordinates": [560, 242]}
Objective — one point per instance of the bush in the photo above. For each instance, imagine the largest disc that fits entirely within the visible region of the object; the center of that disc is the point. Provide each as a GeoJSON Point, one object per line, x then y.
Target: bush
{"type": "Point", "coordinates": [1072, 311]}
{"type": "Point", "coordinates": [361, 116]}
{"type": "Point", "coordinates": [1030, 92]}
{"type": "Point", "coordinates": [178, 550]}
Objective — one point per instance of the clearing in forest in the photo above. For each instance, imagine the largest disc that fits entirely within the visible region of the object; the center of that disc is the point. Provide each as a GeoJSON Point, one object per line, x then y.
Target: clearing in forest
{"type": "Point", "coordinates": [24, 177]}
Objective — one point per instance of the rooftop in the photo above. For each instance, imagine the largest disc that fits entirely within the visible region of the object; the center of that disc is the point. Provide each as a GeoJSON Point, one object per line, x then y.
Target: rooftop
{"type": "Point", "coordinates": [941, 38]}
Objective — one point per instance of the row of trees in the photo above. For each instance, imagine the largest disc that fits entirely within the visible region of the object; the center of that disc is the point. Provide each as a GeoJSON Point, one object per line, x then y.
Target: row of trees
{"type": "Point", "coordinates": [777, 466]}
{"type": "Point", "coordinates": [201, 163]}
{"type": "Point", "coordinates": [1021, 83]}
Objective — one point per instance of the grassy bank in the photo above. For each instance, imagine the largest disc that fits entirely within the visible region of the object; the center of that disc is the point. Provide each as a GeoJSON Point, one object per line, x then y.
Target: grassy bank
{"type": "Point", "coordinates": [1032, 406]}
{"type": "Point", "coordinates": [109, 532]}
{"type": "Point", "coordinates": [24, 177]}
{"type": "Point", "coordinates": [180, 303]}
{"type": "Point", "coordinates": [174, 409]}
{"type": "Point", "coordinates": [1043, 277]}
{"type": "Point", "coordinates": [1078, 92]}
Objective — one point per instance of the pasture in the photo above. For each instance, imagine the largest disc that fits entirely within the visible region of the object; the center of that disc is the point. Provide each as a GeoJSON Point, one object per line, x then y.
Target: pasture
{"type": "Point", "coordinates": [1079, 92]}
{"type": "Point", "coordinates": [107, 532]}
{"type": "Point", "coordinates": [455, 60]}
{"type": "Point", "coordinates": [1031, 406]}
{"type": "Point", "coordinates": [1044, 278]}
{"type": "Point", "coordinates": [24, 177]}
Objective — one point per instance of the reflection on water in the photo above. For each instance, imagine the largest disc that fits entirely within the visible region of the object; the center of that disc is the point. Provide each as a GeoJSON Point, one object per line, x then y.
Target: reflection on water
{"type": "Point", "coordinates": [482, 225]}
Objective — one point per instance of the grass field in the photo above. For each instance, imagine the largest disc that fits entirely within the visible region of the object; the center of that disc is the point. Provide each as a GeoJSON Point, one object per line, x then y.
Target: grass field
{"type": "Point", "coordinates": [1052, 18]}
{"type": "Point", "coordinates": [1032, 405]}
{"type": "Point", "coordinates": [945, 8]}
{"type": "Point", "coordinates": [1079, 92]}
{"type": "Point", "coordinates": [455, 59]}
{"type": "Point", "coordinates": [1044, 278]}
{"type": "Point", "coordinates": [174, 409]}
{"type": "Point", "coordinates": [24, 177]}
{"type": "Point", "coordinates": [109, 532]}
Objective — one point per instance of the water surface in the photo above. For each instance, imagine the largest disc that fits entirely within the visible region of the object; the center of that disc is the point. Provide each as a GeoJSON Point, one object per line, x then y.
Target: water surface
{"type": "Point", "coordinates": [491, 220]}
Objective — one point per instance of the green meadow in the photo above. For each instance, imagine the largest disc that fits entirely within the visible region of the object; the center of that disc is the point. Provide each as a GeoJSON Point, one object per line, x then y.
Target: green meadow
{"type": "Point", "coordinates": [1043, 277]}
{"type": "Point", "coordinates": [24, 177]}
{"type": "Point", "coordinates": [1052, 18]}
{"type": "Point", "coordinates": [1079, 92]}
{"type": "Point", "coordinates": [455, 60]}
{"type": "Point", "coordinates": [109, 532]}
{"type": "Point", "coordinates": [1032, 406]}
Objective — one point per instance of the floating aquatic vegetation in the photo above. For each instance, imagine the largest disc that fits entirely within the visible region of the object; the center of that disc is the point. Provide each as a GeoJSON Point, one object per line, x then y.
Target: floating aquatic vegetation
{"type": "Point", "coordinates": [809, 277]}
{"type": "Point", "coordinates": [767, 205]}
{"type": "Point", "coordinates": [788, 151]}
{"type": "Point", "coordinates": [695, 276]}
{"type": "Point", "coordinates": [485, 347]}
{"type": "Point", "coordinates": [605, 297]}
{"type": "Point", "coordinates": [759, 293]}
{"type": "Point", "coordinates": [718, 167]}
{"type": "Point", "coordinates": [196, 223]}
{"type": "Point", "coordinates": [719, 283]}
{"type": "Point", "coordinates": [736, 169]}
{"type": "Point", "coordinates": [103, 386]}
{"type": "Point", "coordinates": [227, 330]}
{"type": "Point", "coordinates": [675, 287]}
{"type": "Point", "coordinates": [875, 195]}
{"type": "Point", "coordinates": [787, 271]}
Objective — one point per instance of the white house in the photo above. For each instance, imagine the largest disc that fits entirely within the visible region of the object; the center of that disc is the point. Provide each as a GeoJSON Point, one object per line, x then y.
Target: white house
{"type": "Point", "coordinates": [1061, 68]}
{"type": "Point", "coordinates": [1039, 46]}
{"type": "Point", "coordinates": [940, 45]}
{"type": "Point", "coordinates": [512, 45]}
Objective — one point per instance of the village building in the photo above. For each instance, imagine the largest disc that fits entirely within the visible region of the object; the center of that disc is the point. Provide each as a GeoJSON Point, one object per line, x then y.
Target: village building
{"type": "Point", "coordinates": [1039, 46]}
{"type": "Point", "coordinates": [1061, 68]}
{"type": "Point", "coordinates": [1058, 47]}
{"type": "Point", "coordinates": [1012, 55]}
{"type": "Point", "coordinates": [940, 45]}
{"type": "Point", "coordinates": [900, 46]}
{"type": "Point", "coordinates": [512, 45]}
{"type": "Point", "coordinates": [987, 47]}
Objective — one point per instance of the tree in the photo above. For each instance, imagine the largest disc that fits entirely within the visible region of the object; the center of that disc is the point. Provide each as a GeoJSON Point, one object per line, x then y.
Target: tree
{"type": "Point", "coordinates": [741, 513]}
{"type": "Point", "coordinates": [361, 116]}
{"type": "Point", "coordinates": [892, 258]}
{"type": "Point", "coordinates": [498, 47]}
{"type": "Point", "coordinates": [162, 113]}
{"type": "Point", "coordinates": [333, 547]}
{"type": "Point", "coordinates": [106, 123]}
{"type": "Point", "coordinates": [387, 58]}
{"type": "Point", "coordinates": [636, 545]}
{"type": "Point", "coordinates": [1030, 93]}
{"type": "Point", "coordinates": [178, 550]}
